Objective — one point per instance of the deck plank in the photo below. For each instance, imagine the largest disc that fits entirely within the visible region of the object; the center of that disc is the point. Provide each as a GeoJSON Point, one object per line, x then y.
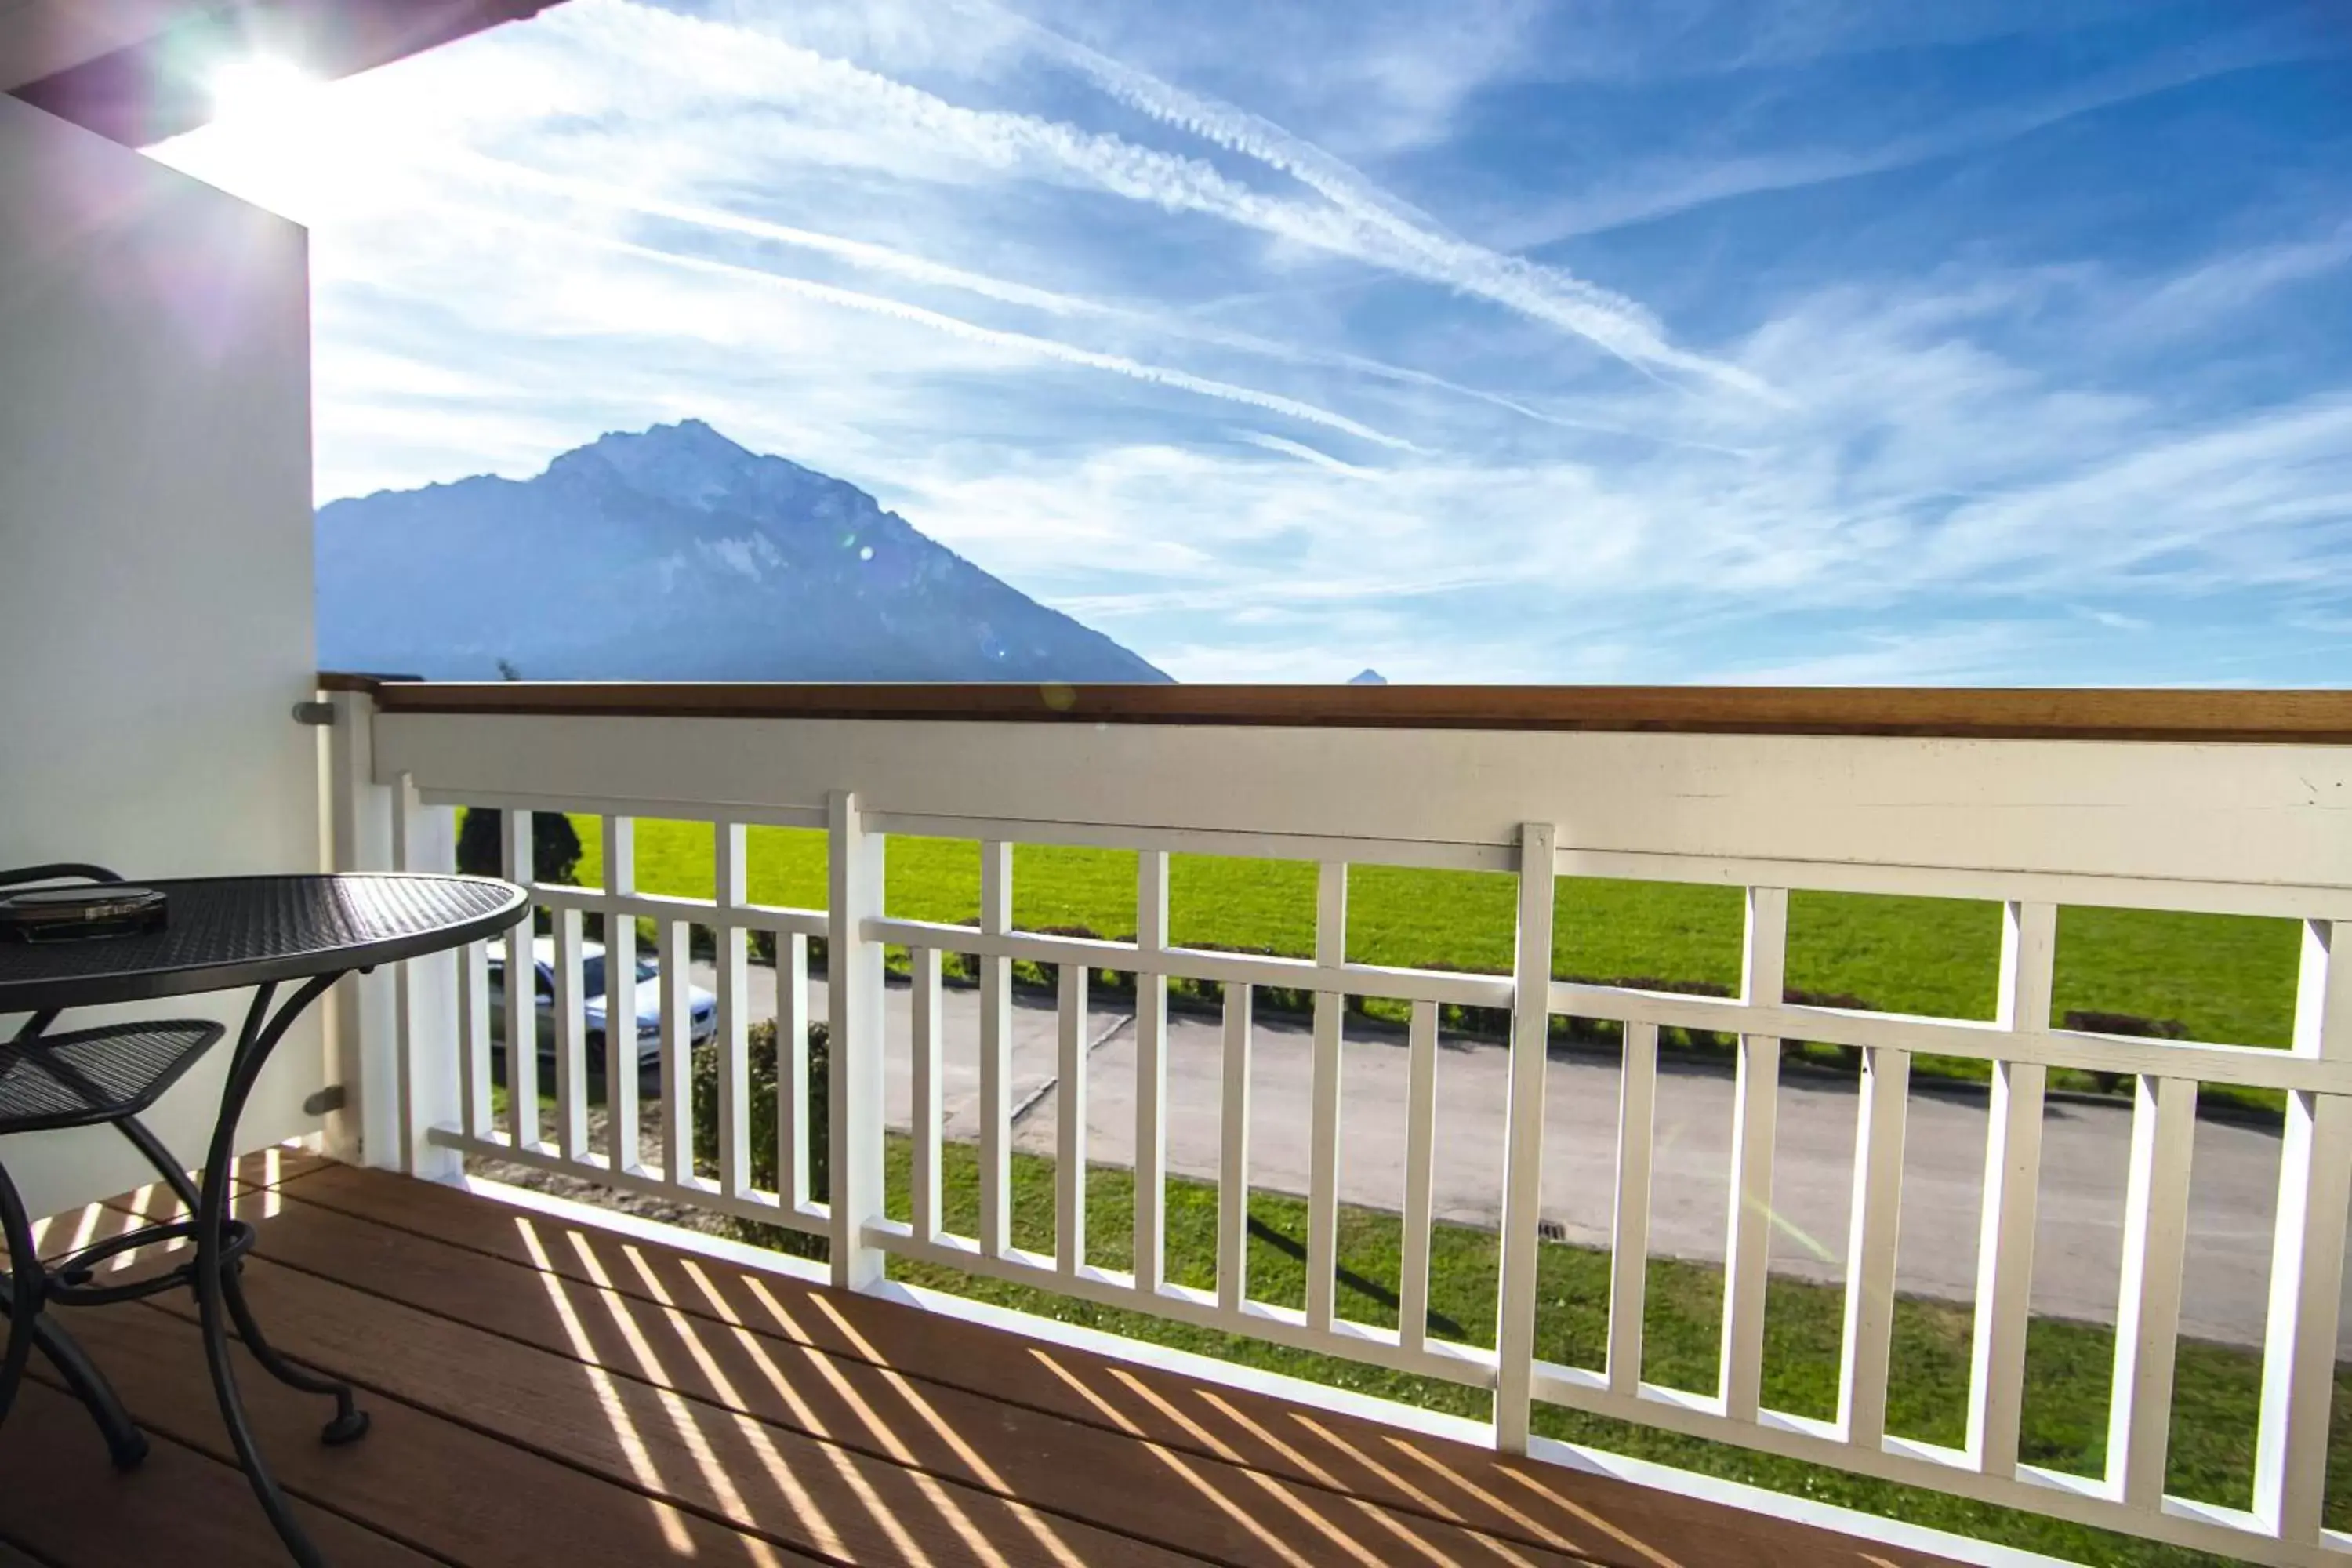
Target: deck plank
{"type": "Point", "coordinates": [461, 1495]}
{"type": "Point", "coordinates": [1078, 1470]}
{"type": "Point", "coordinates": [63, 1501]}
{"type": "Point", "coordinates": [1535, 1504]}
{"type": "Point", "coordinates": [810, 1495]}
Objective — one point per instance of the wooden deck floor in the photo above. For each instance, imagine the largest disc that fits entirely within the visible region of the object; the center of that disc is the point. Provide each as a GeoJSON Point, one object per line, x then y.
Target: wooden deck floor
{"type": "Point", "coordinates": [552, 1394]}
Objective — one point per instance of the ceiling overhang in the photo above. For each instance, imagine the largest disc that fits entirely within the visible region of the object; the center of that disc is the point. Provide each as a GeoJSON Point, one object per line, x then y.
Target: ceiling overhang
{"type": "Point", "coordinates": [139, 70]}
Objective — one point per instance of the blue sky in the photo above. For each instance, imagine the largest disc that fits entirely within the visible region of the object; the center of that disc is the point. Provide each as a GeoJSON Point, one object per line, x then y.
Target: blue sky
{"type": "Point", "coordinates": [1469, 340]}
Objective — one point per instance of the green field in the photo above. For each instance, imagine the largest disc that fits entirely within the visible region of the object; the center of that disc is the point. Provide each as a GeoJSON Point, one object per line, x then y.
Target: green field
{"type": "Point", "coordinates": [2210, 977]}
{"type": "Point", "coordinates": [2069, 1365]}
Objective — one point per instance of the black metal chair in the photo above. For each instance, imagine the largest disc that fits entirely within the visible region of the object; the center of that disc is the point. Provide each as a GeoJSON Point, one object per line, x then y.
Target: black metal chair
{"type": "Point", "coordinates": [111, 1076]}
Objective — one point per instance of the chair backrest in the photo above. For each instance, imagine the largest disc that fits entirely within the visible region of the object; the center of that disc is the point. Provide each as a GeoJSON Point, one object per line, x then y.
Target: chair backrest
{"type": "Point", "coordinates": [57, 871]}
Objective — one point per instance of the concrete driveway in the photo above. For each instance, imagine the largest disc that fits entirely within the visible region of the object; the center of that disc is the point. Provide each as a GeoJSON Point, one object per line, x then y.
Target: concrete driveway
{"type": "Point", "coordinates": [2078, 1246]}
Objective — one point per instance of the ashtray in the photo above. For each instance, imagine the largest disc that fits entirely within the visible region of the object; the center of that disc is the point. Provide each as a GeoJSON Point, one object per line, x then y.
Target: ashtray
{"type": "Point", "coordinates": [77, 914]}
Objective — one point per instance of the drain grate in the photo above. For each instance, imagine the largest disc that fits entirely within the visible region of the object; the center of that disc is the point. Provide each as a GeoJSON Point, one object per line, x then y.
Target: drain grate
{"type": "Point", "coordinates": [1550, 1230]}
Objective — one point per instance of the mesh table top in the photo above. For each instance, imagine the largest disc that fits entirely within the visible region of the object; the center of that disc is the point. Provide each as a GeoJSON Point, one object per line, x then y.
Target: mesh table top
{"type": "Point", "coordinates": [226, 932]}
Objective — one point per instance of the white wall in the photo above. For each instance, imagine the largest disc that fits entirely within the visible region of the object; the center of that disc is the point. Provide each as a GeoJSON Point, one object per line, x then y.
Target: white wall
{"type": "Point", "coordinates": [155, 581]}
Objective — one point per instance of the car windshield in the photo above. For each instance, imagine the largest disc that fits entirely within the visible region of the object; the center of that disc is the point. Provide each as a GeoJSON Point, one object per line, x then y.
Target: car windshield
{"type": "Point", "coordinates": [591, 972]}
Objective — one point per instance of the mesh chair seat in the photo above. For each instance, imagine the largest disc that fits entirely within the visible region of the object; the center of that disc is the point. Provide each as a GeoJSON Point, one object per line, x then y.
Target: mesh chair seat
{"type": "Point", "coordinates": [91, 1076]}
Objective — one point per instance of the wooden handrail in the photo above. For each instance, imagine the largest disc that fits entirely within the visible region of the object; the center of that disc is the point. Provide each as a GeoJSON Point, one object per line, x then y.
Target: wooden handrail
{"type": "Point", "coordinates": [2304, 717]}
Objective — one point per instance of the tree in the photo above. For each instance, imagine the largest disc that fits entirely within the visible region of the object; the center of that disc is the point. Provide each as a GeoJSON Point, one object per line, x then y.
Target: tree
{"type": "Point", "coordinates": [555, 844]}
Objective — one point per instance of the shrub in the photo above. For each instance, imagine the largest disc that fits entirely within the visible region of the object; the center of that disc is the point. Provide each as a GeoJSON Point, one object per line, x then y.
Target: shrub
{"type": "Point", "coordinates": [761, 1079]}
{"type": "Point", "coordinates": [555, 844]}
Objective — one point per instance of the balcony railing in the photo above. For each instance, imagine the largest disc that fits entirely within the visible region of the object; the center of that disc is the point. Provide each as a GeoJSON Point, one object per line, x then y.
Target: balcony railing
{"type": "Point", "coordinates": [2216, 802]}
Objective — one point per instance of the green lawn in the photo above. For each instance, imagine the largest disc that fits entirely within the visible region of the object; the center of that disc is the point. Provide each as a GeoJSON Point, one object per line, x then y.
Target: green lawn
{"type": "Point", "coordinates": [2217, 977]}
{"type": "Point", "coordinates": [2068, 1370]}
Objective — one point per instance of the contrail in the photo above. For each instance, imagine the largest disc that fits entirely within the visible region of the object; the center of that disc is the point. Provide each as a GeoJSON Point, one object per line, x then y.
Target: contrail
{"type": "Point", "coordinates": [1306, 454]}
{"type": "Point", "coordinates": [1227, 125]}
{"type": "Point", "coordinates": [970, 331]}
{"type": "Point", "coordinates": [858, 252]}
{"type": "Point", "coordinates": [1356, 219]}
{"type": "Point", "coordinates": [1616, 322]}
{"type": "Point", "coordinates": [917, 269]}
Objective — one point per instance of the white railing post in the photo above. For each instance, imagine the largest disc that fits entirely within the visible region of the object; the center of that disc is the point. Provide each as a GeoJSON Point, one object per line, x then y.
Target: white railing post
{"type": "Point", "coordinates": [2012, 1190]}
{"type": "Point", "coordinates": [1629, 1246]}
{"type": "Point", "coordinates": [675, 952]}
{"type": "Point", "coordinates": [1233, 1153]}
{"type": "Point", "coordinates": [428, 1070]}
{"type": "Point", "coordinates": [1420, 1149]}
{"type": "Point", "coordinates": [995, 1053]}
{"type": "Point", "coordinates": [1514, 1332]}
{"type": "Point", "coordinates": [854, 974]}
{"type": "Point", "coordinates": [730, 849]}
{"type": "Point", "coordinates": [1150, 1071]}
{"type": "Point", "coordinates": [362, 1019]}
{"type": "Point", "coordinates": [2307, 1255]}
{"type": "Point", "coordinates": [522, 988]}
{"type": "Point", "coordinates": [926, 1029]}
{"type": "Point", "coordinates": [2147, 1302]}
{"type": "Point", "coordinates": [570, 1012]}
{"type": "Point", "coordinates": [1747, 1241]}
{"type": "Point", "coordinates": [1070, 1120]}
{"type": "Point", "coordinates": [622, 1064]}
{"type": "Point", "coordinates": [1323, 1100]}
{"type": "Point", "coordinates": [1873, 1228]}
{"type": "Point", "coordinates": [478, 1110]}
{"type": "Point", "coordinates": [793, 1070]}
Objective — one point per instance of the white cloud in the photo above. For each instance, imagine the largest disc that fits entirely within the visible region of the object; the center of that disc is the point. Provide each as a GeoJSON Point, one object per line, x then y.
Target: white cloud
{"type": "Point", "coordinates": [2224, 287]}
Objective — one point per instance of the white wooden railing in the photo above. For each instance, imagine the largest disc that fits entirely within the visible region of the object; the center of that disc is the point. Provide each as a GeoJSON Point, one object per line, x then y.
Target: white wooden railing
{"type": "Point", "coordinates": [2233, 827]}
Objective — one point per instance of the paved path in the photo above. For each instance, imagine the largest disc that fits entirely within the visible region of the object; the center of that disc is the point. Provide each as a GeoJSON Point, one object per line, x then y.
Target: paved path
{"type": "Point", "coordinates": [2077, 1250]}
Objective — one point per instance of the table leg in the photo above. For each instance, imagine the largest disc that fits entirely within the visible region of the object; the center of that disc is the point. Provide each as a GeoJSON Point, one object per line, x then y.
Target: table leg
{"type": "Point", "coordinates": [350, 1423]}
{"type": "Point", "coordinates": [31, 1327]}
{"type": "Point", "coordinates": [218, 1297]}
{"type": "Point", "coordinates": [25, 1274]}
{"type": "Point", "coordinates": [24, 1280]}
{"type": "Point", "coordinates": [126, 1445]}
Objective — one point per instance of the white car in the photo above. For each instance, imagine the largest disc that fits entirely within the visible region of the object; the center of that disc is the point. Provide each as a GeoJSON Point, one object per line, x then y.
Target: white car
{"type": "Point", "coordinates": [702, 1006]}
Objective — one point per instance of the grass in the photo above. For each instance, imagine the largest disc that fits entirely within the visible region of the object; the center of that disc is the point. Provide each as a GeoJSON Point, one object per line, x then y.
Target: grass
{"type": "Point", "coordinates": [2221, 978]}
{"type": "Point", "coordinates": [2068, 1364]}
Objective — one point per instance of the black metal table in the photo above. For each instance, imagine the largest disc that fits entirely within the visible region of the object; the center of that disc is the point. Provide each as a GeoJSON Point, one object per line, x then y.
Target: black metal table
{"type": "Point", "coordinates": [223, 934]}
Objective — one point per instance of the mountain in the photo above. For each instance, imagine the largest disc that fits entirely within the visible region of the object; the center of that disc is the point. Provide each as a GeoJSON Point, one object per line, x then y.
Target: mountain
{"type": "Point", "coordinates": [674, 555]}
{"type": "Point", "coordinates": [1368, 678]}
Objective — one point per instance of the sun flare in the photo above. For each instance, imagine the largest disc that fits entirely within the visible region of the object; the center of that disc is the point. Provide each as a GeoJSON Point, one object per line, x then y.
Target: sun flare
{"type": "Point", "coordinates": [259, 89]}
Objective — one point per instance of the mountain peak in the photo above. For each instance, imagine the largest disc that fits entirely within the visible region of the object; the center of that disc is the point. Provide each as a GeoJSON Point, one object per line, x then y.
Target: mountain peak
{"type": "Point", "coordinates": [688, 462]}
